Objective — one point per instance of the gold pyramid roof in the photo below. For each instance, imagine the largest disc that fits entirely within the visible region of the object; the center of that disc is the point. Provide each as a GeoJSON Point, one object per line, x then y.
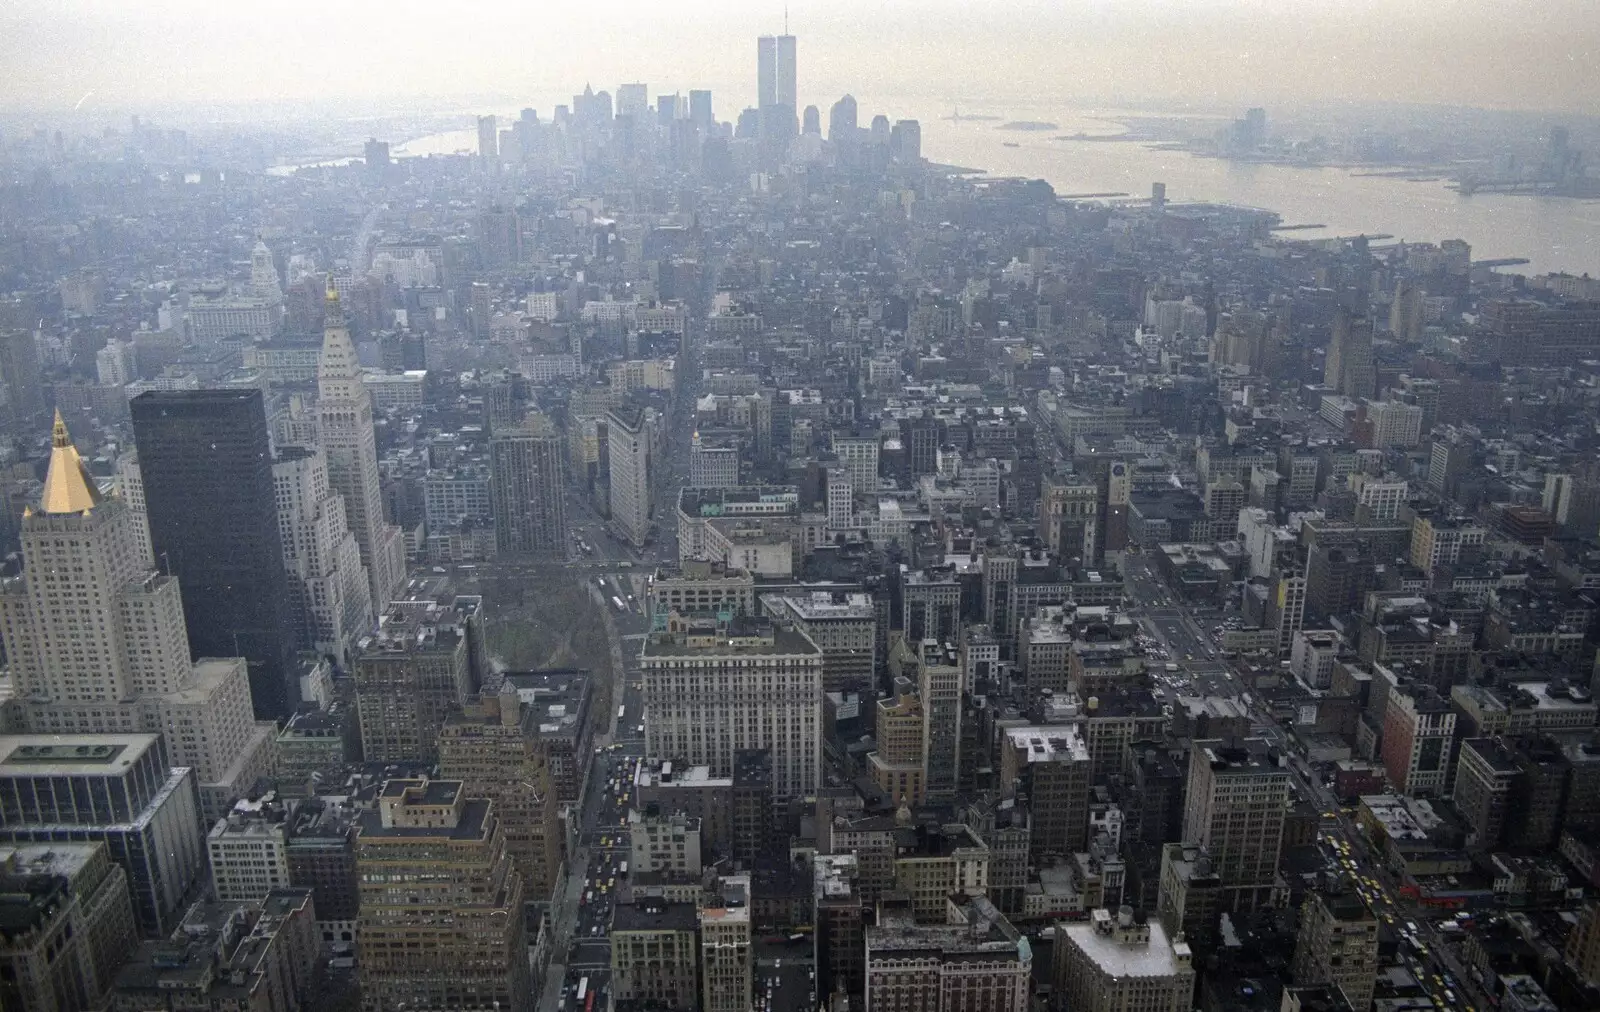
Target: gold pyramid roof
{"type": "Point", "coordinates": [68, 486]}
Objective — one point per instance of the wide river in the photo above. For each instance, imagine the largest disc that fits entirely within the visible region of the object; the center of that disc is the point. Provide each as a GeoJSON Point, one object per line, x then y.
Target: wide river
{"type": "Point", "coordinates": [1553, 233]}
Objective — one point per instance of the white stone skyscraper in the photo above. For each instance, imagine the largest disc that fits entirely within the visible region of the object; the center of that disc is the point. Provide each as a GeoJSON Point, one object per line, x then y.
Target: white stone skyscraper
{"type": "Point", "coordinates": [629, 432]}
{"type": "Point", "coordinates": [344, 428]}
{"type": "Point", "coordinates": [715, 685]}
{"type": "Point", "coordinates": [97, 643]}
{"type": "Point", "coordinates": [321, 555]}
{"type": "Point", "coordinates": [264, 276]}
{"type": "Point", "coordinates": [130, 488]}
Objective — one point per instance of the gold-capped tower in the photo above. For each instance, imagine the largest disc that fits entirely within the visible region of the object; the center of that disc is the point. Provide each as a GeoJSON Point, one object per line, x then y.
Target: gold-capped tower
{"type": "Point", "coordinates": [68, 485]}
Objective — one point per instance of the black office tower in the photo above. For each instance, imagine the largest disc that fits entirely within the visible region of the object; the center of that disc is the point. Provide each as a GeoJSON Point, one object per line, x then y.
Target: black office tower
{"type": "Point", "coordinates": [206, 463]}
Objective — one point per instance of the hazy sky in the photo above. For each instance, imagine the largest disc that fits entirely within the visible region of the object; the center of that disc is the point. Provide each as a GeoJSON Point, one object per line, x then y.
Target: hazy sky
{"type": "Point", "coordinates": [1538, 54]}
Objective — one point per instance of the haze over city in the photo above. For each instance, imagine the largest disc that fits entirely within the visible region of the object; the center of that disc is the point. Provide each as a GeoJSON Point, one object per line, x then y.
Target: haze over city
{"type": "Point", "coordinates": [1535, 55]}
{"type": "Point", "coordinates": [828, 507]}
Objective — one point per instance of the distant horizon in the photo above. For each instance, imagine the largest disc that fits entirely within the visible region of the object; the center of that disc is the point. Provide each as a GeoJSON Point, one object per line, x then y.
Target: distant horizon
{"type": "Point", "coordinates": [1216, 54]}
{"type": "Point", "coordinates": [96, 115]}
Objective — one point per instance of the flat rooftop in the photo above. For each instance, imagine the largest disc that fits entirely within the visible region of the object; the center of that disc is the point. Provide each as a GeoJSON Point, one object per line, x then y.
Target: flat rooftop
{"type": "Point", "coordinates": [949, 941]}
{"type": "Point", "coordinates": [549, 684]}
{"type": "Point", "coordinates": [669, 775]}
{"type": "Point", "coordinates": [65, 859]}
{"type": "Point", "coordinates": [1246, 756]}
{"type": "Point", "coordinates": [781, 640]}
{"type": "Point", "coordinates": [552, 698]}
{"type": "Point", "coordinates": [821, 606]}
{"type": "Point", "coordinates": [319, 820]}
{"type": "Point", "coordinates": [1493, 754]}
{"type": "Point", "coordinates": [37, 755]}
{"type": "Point", "coordinates": [1053, 743]}
{"type": "Point", "coordinates": [1549, 697]}
{"type": "Point", "coordinates": [934, 841]}
{"type": "Point", "coordinates": [1167, 504]}
{"type": "Point", "coordinates": [434, 792]}
{"type": "Point", "coordinates": [313, 725]}
{"type": "Point", "coordinates": [654, 915]}
{"type": "Point", "coordinates": [741, 499]}
{"type": "Point", "coordinates": [1402, 818]}
{"type": "Point", "coordinates": [925, 578]}
{"type": "Point", "coordinates": [698, 571]}
{"type": "Point", "coordinates": [1154, 958]}
{"type": "Point", "coordinates": [468, 827]}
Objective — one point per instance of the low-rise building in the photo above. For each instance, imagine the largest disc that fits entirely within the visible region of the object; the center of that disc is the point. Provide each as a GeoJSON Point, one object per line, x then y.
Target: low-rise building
{"type": "Point", "coordinates": [655, 955]}
{"type": "Point", "coordinates": [67, 925]}
{"type": "Point", "coordinates": [561, 700]}
{"type": "Point", "coordinates": [226, 957]}
{"type": "Point", "coordinates": [249, 851]}
{"type": "Point", "coordinates": [933, 863]}
{"type": "Point", "coordinates": [441, 913]}
{"type": "Point", "coordinates": [664, 842]}
{"type": "Point", "coordinates": [974, 962]}
{"type": "Point", "coordinates": [726, 965]}
{"type": "Point", "coordinates": [842, 625]}
{"type": "Point", "coordinates": [696, 585]}
{"type": "Point", "coordinates": [1122, 961]}
{"type": "Point", "coordinates": [1052, 767]}
{"type": "Point", "coordinates": [1338, 943]}
{"type": "Point", "coordinates": [1414, 834]}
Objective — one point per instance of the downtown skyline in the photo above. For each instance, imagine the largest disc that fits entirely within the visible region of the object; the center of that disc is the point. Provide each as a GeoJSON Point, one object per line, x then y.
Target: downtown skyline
{"type": "Point", "coordinates": [1151, 51]}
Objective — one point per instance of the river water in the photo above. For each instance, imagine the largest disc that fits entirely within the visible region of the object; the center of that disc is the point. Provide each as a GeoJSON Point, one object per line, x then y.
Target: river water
{"type": "Point", "coordinates": [1553, 233]}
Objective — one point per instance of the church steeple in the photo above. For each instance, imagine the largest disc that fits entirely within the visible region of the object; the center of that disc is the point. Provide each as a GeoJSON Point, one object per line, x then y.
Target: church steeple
{"type": "Point", "coordinates": [68, 485]}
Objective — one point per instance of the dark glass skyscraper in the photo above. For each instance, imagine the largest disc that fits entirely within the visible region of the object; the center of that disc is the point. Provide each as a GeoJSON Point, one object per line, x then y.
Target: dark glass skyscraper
{"type": "Point", "coordinates": [206, 462]}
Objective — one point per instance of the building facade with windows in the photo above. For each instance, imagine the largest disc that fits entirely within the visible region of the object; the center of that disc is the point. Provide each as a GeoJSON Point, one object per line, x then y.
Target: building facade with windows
{"type": "Point", "coordinates": [441, 921]}
{"type": "Point", "coordinates": [714, 687]}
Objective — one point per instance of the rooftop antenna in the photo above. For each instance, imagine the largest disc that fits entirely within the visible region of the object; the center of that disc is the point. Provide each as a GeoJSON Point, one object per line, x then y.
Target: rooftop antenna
{"type": "Point", "coordinates": [785, 25]}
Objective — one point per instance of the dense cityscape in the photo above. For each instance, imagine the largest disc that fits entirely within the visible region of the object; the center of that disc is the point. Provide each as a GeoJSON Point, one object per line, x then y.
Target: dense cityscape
{"type": "Point", "coordinates": [662, 563]}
